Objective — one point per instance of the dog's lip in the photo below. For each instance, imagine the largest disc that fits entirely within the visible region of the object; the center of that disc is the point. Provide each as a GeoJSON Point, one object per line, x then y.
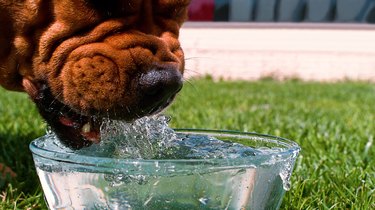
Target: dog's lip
{"type": "Point", "coordinates": [160, 107]}
{"type": "Point", "coordinates": [74, 129]}
{"type": "Point", "coordinates": [89, 128]}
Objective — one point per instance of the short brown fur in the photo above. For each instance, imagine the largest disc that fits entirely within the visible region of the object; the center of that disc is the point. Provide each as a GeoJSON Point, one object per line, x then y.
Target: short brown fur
{"type": "Point", "coordinates": [87, 50]}
{"type": "Point", "coordinates": [83, 60]}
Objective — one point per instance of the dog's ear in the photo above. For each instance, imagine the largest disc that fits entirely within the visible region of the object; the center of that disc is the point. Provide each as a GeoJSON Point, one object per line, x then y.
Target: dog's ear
{"type": "Point", "coordinates": [177, 10]}
{"type": "Point", "coordinates": [9, 78]}
{"type": "Point", "coordinates": [20, 24]}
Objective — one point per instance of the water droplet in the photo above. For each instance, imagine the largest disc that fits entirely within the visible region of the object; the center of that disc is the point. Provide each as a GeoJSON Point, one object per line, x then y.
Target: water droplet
{"type": "Point", "coordinates": [203, 200]}
{"type": "Point", "coordinates": [286, 172]}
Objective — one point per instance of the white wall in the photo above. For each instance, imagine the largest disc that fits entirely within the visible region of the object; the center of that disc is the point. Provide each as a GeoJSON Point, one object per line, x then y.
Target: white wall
{"type": "Point", "coordinates": [252, 51]}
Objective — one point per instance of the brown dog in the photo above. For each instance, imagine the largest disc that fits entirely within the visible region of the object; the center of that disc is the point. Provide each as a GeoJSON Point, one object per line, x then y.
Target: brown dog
{"type": "Point", "coordinates": [83, 60]}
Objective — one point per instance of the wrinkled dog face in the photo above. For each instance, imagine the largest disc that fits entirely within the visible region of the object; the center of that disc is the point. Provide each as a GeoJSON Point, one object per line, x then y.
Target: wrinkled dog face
{"type": "Point", "coordinates": [119, 59]}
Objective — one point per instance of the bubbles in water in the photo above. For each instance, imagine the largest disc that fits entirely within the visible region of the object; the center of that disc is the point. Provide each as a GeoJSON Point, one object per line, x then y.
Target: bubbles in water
{"type": "Point", "coordinates": [118, 179]}
{"type": "Point", "coordinates": [145, 138]}
{"type": "Point", "coordinates": [287, 169]}
{"type": "Point", "coordinates": [205, 147]}
{"type": "Point", "coordinates": [53, 143]}
{"type": "Point", "coordinates": [285, 177]}
{"type": "Point", "coordinates": [152, 138]}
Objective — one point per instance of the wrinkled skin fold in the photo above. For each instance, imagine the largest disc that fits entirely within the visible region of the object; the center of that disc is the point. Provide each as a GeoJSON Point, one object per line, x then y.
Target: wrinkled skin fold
{"type": "Point", "coordinates": [83, 60]}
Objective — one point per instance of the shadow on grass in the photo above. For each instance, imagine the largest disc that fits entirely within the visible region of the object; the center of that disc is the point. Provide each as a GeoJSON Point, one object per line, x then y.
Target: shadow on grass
{"type": "Point", "coordinates": [16, 155]}
{"type": "Point", "coordinates": [24, 190]}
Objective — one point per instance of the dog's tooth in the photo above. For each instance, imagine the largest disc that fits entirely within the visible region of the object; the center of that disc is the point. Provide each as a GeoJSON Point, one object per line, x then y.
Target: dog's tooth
{"type": "Point", "coordinates": [86, 128]}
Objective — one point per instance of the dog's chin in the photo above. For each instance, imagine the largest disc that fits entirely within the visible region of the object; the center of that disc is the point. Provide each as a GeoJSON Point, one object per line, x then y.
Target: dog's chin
{"type": "Point", "coordinates": [77, 130]}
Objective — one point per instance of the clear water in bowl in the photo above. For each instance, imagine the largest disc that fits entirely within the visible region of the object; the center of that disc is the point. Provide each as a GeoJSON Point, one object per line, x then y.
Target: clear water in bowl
{"type": "Point", "coordinates": [189, 169]}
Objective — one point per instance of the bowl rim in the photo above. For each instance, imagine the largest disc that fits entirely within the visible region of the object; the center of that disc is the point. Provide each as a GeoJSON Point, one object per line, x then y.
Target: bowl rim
{"type": "Point", "coordinates": [291, 151]}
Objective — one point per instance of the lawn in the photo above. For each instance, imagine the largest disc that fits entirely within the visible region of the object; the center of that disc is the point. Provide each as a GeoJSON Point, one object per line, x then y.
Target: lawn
{"type": "Point", "coordinates": [333, 122]}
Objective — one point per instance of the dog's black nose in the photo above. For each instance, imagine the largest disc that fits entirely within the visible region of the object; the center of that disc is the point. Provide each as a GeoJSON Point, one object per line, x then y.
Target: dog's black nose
{"type": "Point", "coordinates": [158, 86]}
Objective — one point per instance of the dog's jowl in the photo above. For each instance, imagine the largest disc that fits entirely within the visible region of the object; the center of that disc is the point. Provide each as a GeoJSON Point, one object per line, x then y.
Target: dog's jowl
{"type": "Point", "coordinates": [83, 60]}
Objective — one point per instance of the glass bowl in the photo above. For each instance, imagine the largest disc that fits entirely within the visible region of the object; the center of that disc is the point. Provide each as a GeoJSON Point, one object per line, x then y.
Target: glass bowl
{"type": "Point", "coordinates": [74, 181]}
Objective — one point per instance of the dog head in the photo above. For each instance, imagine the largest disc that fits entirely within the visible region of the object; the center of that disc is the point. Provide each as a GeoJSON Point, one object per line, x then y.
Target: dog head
{"type": "Point", "coordinates": [83, 60]}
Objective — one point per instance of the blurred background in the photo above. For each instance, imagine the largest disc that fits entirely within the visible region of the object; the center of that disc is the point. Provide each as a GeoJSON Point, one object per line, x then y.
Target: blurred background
{"type": "Point", "coordinates": [323, 40]}
{"type": "Point", "coordinates": [358, 11]}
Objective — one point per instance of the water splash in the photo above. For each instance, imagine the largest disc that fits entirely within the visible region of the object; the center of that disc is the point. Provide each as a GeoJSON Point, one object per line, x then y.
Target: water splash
{"type": "Point", "coordinates": [145, 138]}
{"type": "Point", "coordinates": [152, 138]}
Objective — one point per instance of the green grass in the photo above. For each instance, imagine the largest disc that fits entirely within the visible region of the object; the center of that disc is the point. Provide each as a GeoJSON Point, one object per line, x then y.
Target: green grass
{"type": "Point", "coordinates": [333, 123]}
